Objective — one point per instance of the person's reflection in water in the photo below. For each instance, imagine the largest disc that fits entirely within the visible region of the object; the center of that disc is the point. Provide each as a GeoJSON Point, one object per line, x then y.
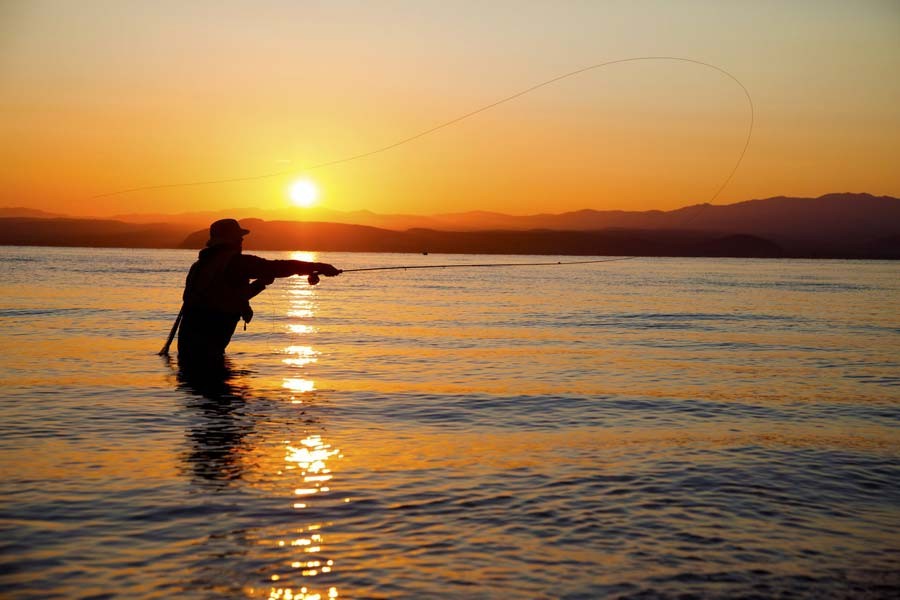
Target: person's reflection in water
{"type": "Point", "coordinates": [215, 463]}
{"type": "Point", "coordinates": [219, 420]}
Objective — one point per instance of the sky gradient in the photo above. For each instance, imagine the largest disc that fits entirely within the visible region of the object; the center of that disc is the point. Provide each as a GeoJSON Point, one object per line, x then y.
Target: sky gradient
{"type": "Point", "coordinates": [97, 97]}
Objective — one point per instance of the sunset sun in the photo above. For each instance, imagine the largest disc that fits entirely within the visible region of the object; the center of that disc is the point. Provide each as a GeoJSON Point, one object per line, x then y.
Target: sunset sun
{"type": "Point", "coordinates": [304, 193]}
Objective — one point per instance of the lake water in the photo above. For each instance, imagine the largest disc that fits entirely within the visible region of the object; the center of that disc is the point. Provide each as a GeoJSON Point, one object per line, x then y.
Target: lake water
{"type": "Point", "coordinates": [650, 428]}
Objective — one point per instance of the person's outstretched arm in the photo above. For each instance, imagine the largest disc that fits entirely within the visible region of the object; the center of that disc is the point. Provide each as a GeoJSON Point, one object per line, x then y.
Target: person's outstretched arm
{"type": "Point", "coordinates": [255, 267]}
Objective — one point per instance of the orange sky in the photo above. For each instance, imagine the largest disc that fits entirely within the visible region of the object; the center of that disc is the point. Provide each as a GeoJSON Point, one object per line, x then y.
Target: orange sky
{"type": "Point", "coordinates": [101, 96]}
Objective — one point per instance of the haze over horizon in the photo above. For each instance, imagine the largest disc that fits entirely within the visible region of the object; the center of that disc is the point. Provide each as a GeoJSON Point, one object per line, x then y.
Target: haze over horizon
{"type": "Point", "coordinates": [104, 96]}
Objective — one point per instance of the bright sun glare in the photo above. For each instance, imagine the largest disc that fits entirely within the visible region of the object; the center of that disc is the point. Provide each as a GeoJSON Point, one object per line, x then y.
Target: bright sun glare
{"type": "Point", "coordinates": [304, 193]}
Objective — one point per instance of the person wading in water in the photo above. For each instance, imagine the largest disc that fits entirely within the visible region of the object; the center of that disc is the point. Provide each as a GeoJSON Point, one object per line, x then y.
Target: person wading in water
{"type": "Point", "coordinates": [219, 287]}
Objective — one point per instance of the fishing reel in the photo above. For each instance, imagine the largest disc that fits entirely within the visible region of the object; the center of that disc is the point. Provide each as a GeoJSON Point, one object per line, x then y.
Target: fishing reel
{"type": "Point", "coordinates": [313, 278]}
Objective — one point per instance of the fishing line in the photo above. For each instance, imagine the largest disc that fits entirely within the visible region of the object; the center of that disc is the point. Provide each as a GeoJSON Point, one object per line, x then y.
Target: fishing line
{"type": "Point", "coordinates": [463, 117]}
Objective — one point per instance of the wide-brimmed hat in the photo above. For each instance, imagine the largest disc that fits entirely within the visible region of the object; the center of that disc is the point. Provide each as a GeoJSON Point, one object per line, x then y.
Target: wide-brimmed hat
{"type": "Point", "coordinates": [225, 231]}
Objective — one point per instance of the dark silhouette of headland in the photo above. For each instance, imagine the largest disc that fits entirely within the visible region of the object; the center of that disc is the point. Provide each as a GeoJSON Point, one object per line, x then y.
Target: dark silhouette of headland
{"type": "Point", "coordinates": [831, 226]}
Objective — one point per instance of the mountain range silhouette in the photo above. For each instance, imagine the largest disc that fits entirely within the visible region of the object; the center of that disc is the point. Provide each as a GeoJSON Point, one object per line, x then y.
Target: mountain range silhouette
{"type": "Point", "coordinates": [846, 225]}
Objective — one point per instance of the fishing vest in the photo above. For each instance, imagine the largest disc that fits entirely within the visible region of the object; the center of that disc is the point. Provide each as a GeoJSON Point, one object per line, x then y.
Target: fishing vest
{"type": "Point", "coordinates": [208, 288]}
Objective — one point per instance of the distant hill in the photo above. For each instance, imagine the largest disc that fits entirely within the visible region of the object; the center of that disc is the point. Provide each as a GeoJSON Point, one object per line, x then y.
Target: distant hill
{"type": "Point", "coordinates": [20, 211]}
{"type": "Point", "coordinates": [831, 214]}
{"type": "Point", "coordinates": [291, 235]}
{"type": "Point", "coordinates": [803, 218]}
{"type": "Point", "coordinates": [831, 226]}
{"type": "Point", "coordinates": [96, 233]}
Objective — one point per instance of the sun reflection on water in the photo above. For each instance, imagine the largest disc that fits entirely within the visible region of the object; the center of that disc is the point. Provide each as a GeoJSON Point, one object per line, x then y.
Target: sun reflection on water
{"type": "Point", "coordinates": [298, 384]}
{"type": "Point", "coordinates": [302, 305]}
{"type": "Point", "coordinates": [300, 355]}
{"type": "Point", "coordinates": [301, 594]}
{"type": "Point", "coordinates": [306, 463]}
{"type": "Point", "coordinates": [309, 460]}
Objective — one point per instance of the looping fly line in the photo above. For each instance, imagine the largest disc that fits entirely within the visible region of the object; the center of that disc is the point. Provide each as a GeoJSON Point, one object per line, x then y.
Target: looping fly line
{"type": "Point", "coordinates": [468, 115]}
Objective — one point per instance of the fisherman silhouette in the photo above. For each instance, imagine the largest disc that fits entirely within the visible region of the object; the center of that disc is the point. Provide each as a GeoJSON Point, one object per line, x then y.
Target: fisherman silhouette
{"type": "Point", "coordinates": [219, 287]}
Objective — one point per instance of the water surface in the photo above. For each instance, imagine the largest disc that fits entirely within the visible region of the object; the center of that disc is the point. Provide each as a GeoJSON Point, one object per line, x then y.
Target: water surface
{"type": "Point", "coordinates": [639, 429]}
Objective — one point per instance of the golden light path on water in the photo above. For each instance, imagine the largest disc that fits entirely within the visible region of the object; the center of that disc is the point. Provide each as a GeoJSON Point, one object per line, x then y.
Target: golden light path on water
{"type": "Point", "coordinates": [307, 461]}
{"type": "Point", "coordinates": [302, 305]}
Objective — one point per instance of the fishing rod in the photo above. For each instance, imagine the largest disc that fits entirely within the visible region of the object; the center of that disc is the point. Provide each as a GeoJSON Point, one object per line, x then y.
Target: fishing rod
{"type": "Point", "coordinates": [313, 278]}
{"type": "Point", "coordinates": [478, 265]}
